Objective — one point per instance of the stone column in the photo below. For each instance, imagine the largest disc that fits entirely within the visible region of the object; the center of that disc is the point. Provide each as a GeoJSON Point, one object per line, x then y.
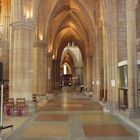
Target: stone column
{"type": "Point", "coordinates": [94, 73]}
{"type": "Point", "coordinates": [21, 59]}
{"type": "Point", "coordinates": [11, 62]}
{"type": "Point", "coordinates": [57, 75]}
{"type": "Point", "coordinates": [5, 59]}
{"type": "Point", "coordinates": [110, 63]}
{"type": "Point", "coordinates": [131, 54]}
{"type": "Point", "coordinates": [53, 74]}
{"type": "Point", "coordinates": [105, 61]}
{"type": "Point", "coordinates": [84, 72]}
{"type": "Point", "coordinates": [99, 67]}
{"type": "Point", "coordinates": [48, 69]}
{"type": "Point", "coordinates": [40, 67]}
{"type": "Point", "coordinates": [89, 72]}
{"type": "Point", "coordinates": [35, 69]}
{"type": "Point", "coordinates": [110, 31]}
{"type": "Point", "coordinates": [114, 64]}
{"type": "Point", "coordinates": [79, 74]}
{"type": "Point", "coordinates": [5, 47]}
{"type": "Point", "coordinates": [109, 67]}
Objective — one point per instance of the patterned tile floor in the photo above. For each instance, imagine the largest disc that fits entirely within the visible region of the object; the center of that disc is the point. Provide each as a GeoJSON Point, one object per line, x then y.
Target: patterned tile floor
{"type": "Point", "coordinates": [72, 117]}
{"type": "Point", "coordinates": [53, 117]}
{"type": "Point", "coordinates": [97, 130]}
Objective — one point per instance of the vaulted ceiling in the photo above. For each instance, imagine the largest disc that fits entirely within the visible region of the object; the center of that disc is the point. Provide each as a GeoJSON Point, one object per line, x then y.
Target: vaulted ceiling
{"type": "Point", "coordinates": [62, 21]}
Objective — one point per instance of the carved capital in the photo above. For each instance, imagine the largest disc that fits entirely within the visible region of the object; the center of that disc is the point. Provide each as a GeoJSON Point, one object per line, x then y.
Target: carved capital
{"type": "Point", "coordinates": [40, 44]}
{"type": "Point", "coordinates": [23, 25]}
{"type": "Point", "coordinates": [132, 4]}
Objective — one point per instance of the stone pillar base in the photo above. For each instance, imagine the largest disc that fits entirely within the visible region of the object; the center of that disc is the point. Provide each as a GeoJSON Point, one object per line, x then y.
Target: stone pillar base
{"type": "Point", "coordinates": [32, 107]}
{"type": "Point", "coordinates": [110, 107]}
{"type": "Point", "coordinates": [133, 113]}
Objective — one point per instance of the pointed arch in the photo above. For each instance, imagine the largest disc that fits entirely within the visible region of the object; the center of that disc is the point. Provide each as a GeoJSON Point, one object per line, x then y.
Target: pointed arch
{"type": "Point", "coordinates": [62, 16]}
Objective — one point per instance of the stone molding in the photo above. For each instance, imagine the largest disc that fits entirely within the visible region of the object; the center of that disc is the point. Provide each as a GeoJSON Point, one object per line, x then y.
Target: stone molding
{"type": "Point", "coordinates": [125, 62]}
{"type": "Point", "coordinates": [79, 67]}
{"type": "Point", "coordinates": [132, 4]}
{"type": "Point", "coordinates": [24, 25]}
{"type": "Point", "coordinates": [40, 44]}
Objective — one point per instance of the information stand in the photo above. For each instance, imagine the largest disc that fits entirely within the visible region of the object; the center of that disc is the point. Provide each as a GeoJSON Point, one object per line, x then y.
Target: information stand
{"type": "Point", "coordinates": [1, 110]}
{"type": "Point", "coordinates": [123, 98]}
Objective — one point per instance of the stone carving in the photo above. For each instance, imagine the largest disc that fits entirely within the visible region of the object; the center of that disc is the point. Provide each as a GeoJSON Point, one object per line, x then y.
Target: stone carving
{"type": "Point", "coordinates": [132, 4]}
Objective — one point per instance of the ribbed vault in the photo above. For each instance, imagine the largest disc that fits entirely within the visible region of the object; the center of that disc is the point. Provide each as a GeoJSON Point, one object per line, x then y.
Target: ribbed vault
{"type": "Point", "coordinates": [68, 21]}
{"type": "Point", "coordinates": [63, 21]}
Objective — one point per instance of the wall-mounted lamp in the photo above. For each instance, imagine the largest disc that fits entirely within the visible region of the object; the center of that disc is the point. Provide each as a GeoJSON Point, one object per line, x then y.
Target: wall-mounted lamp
{"type": "Point", "coordinates": [65, 69]}
{"type": "Point", "coordinates": [49, 51]}
{"type": "Point", "coordinates": [41, 37]}
{"type": "Point", "coordinates": [31, 13]}
{"type": "Point", "coordinates": [28, 14]}
{"type": "Point", "coordinates": [53, 56]}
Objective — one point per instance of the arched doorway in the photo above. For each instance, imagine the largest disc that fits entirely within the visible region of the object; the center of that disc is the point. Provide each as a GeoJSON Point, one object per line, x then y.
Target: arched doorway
{"type": "Point", "coordinates": [71, 65]}
{"type": "Point", "coordinates": [67, 22]}
{"type": "Point", "coordinates": [67, 25]}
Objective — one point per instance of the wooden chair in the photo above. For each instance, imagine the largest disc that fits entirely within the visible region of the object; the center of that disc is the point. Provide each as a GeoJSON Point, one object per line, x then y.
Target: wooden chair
{"type": "Point", "coordinates": [10, 108]}
{"type": "Point", "coordinates": [34, 98]}
{"type": "Point", "coordinates": [35, 101]}
{"type": "Point", "coordinates": [21, 107]}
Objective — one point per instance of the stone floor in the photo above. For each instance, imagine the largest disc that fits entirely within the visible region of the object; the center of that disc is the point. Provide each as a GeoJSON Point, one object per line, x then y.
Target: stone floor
{"type": "Point", "coordinates": [71, 116]}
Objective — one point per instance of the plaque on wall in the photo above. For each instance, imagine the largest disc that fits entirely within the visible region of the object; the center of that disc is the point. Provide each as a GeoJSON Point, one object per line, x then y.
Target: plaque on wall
{"type": "Point", "coordinates": [113, 84]}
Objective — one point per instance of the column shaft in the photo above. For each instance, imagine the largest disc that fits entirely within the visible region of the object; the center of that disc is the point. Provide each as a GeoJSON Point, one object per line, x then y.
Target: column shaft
{"type": "Point", "coordinates": [49, 76]}
{"type": "Point", "coordinates": [21, 60]}
{"type": "Point", "coordinates": [131, 54]}
{"type": "Point", "coordinates": [89, 72]}
{"type": "Point", "coordinates": [105, 61]}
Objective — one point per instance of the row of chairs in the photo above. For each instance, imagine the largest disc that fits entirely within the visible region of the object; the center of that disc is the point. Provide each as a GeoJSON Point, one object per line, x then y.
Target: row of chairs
{"type": "Point", "coordinates": [18, 108]}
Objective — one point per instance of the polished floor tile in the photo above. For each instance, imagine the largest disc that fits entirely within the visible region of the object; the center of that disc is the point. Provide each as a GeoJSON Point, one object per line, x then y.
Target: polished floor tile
{"type": "Point", "coordinates": [98, 117]}
{"type": "Point", "coordinates": [72, 117]}
{"type": "Point", "coordinates": [45, 130]}
{"type": "Point", "coordinates": [105, 130]}
{"type": "Point", "coordinates": [71, 105]}
{"type": "Point", "coordinates": [54, 117]}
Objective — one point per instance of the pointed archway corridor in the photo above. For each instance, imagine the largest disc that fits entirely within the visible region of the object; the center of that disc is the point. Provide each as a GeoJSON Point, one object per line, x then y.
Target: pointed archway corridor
{"type": "Point", "coordinates": [55, 50]}
{"type": "Point", "coordinates": [72, 116]}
